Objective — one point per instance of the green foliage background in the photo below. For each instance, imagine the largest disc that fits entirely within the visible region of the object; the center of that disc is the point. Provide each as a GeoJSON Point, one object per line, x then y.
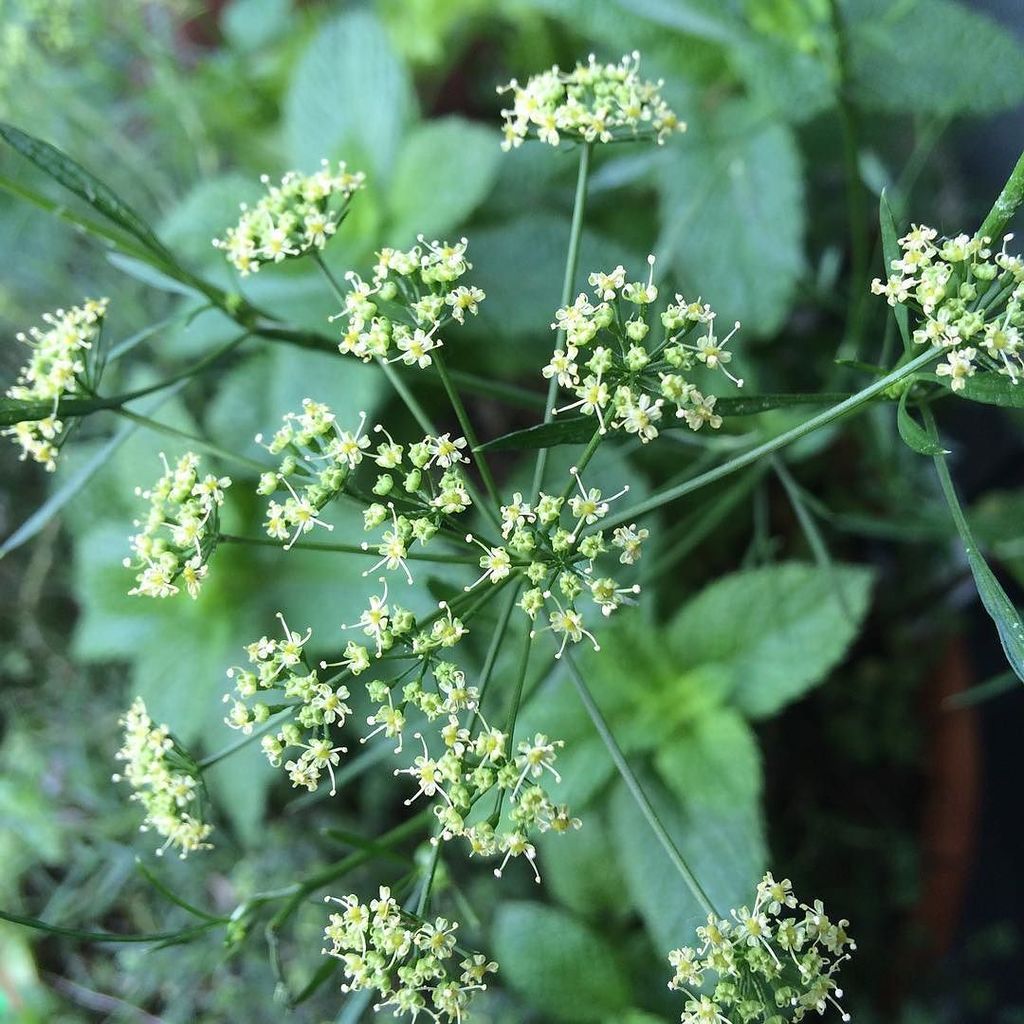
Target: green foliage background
{"type": "Point", "coordinates": [710, 686]}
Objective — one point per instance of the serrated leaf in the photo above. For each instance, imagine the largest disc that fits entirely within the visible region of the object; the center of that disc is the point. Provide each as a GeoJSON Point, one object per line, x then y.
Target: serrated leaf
{"type": "Point", "coordinates": [913, 434]}
{"type": "Point", "coordinates": [733, 214]}
{"type": "Point", "coordinates": [349, 98]}
{"type": "Point", "coordinates": [778, 630]}
{"type": "Point", "coordinates": [445, 170]}
{"type": "Point", "coordinates": [556, 964]}
{"type": "Point", "coordinates": [890, 252]}
{"type": "Point", "coordinates": [74, 177]}
{"type": "Point", "coordinates": [931, 57]}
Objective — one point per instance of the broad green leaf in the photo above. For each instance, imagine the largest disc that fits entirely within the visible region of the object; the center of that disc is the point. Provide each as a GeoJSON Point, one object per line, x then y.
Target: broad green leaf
{"type": "Point", "coordinates": [913, 434]}
{"type": "Point", "coordinates": [574, 867]}
{"type": "Point", "coordinates": [713, 761]}
{"type": "Point", "coordinates": [250, 25]}
{"type": "Point", "coordinates": [931, 57]}
{"type": "Point", "coordinates": [778, 630]}
{"type": "Point", "coordinates": [723, 846]}
{"type": "Point", "coordinates": [350, 98]}
{"type": "Point", "coordinates": [556, 964]}
{"type": "Point", "coordinates": [82, 183]}
{"type": "Point", "coordinates": [890, 252]}
{"type": "Point", "coordinates": [989, 389]}
{"type": "Point", "coordinates": [705, 19]}
{"type": "Point", "coordinates": [445, 170]}
{"type": "Point", "coordinates": [733, 213]}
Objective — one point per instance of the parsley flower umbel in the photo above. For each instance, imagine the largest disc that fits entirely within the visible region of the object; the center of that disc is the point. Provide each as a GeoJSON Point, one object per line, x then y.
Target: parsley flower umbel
{"type": "Point", "coordinates": [278, 670]}
{"type": "Point", "coordinates": [412, 296]}
{"type": "Point", "coordinates": [969, 302]}
{"type": "Point", "coordinates": [413, 965]}
{"type": "Point", "coordinates": [293, 218]}
{"type": "Point", "coordinates": [65, 361]}
{"type": "Point", "coordinates": [622, 370]}
{"type": "Point", "coordinates": [592, 103]}
{"type": "Point", "coordinates": [769, 964]}
{"type": "Point", "coordinates": [165, 781]}
{"type": "Point", "coordinates": [180, 531]}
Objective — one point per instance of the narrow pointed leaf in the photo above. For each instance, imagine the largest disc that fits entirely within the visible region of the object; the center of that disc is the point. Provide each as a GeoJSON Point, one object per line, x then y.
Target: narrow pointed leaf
{"type": "Point", "coordinates": [891, 251]}
{"type": "Point", "coordinates": [989, 389]}
{"type": "Point", "coordinates": [913, 434]}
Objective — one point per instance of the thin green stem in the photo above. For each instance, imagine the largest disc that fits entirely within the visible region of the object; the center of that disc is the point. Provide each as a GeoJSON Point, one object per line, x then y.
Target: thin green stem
{"type": "Point", "coordinates": [568, 282]}
{"type": "Point", "coordinates": [243, 741]}
{"type": "Point", "coordinates": [87, 936]}
{"type": "Point", "coordinates": [1006, 204]}
{"type": "Point", "coordinates": [198, 442]}
{"type": "Point", "coordinates": [517, 693]}
{"type": "Point", "coordinates": [347, 549]}
{"type": "Point", "coordinates": [584, 460]}
{"type": "Point", "coordinates": [492, 654]}
{"type": "Point", "coordinates": [469, 433]}
{"type": "Point", "coordinates": [823, 419]}
{"type": "Point", "coordinates": [636, 790]}
{"type": "Point", "coordinates": [428, 878]}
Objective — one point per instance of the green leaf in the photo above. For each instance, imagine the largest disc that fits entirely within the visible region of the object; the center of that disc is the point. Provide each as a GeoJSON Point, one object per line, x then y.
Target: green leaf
{"type": "Point", "coordinates": [997, 520]}
{"type": "Point", "coordinates": [723, 847]}
{"type": "Point", "coordinates": [733, 212]}
{"type": "Point", "coordinates": [556, 964]}
{"type": "Point", "coordinates": [714, 761]}
{"type": "Point", "coordinates": [579, 429]}
{"type": "Point", "coordinates": [913, 434]}
{"type": "Point", "coordinates": [83, 184]}
{"type": "Point", "coordinates": [890, 252]}
{"type": "Point", "coordinates": [350, 98]}
{"type": "Point", "coordinates": [778, 630]}
{"type": "Point", "coordinates": [445, 170]}
{"type": "Point", "coordinates": [998, 605]}
{"type": "Point", "coordinates": [575, 867]}
{"type": "Point", "coordinates": [987, 388]}
{"type": "Point", "coordinates": [931, 57]}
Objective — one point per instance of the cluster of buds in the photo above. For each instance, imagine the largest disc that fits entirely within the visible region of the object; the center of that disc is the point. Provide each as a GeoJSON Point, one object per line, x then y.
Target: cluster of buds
{"type": "Point", "coordinates": [412, 296]}
{"type": "Point", "coordinates": [553, 543]}
{"type": "Point", "coordinates": [969, 300]}
{"type": "Point", "coordinates": [407, 961]}
{"type": "Point", "coordinates": [65, 361]}
{"type": "Point", "coordinates": [620, 371]}
{"type": "Point", "coordinates": [180, 532]}
{"type": "Point", "coordinates": [293, 218]}
{"type": "Point", "coordinates": [165, 781]}
{"type": "Point", "coordinates": [770, 964]}
{"type": "Point", "coordinates": [277, 668]}
{"type": "Point", "coordinates": [592, 103]}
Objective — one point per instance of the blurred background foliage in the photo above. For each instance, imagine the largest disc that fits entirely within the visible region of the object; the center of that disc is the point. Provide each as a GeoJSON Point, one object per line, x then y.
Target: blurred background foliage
{"type": "Point", "coordinates": [890, 792]}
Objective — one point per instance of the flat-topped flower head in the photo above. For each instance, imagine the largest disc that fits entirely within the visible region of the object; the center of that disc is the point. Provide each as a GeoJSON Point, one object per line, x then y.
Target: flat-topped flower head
{"type": "Point", "coordinates": [968, 300]}
{"type": "Point", "coordinates": [624, 366]}
{"type": "Point", "coordinates": [593, 103]}
{"type": "Point", "coordinates": [412, 296]}
{"type": "Point", "coordinates": [776, 962]}
{"type": "Point", "coordinates": [414, 966]}
{"type": "Point", "coordinates": [165, 780]}
{"type": "Point", "coordinates": [180, 532]}
{"type": "Point", "coordinates": [295, 217]}
{"type": "Point", "coordinates": [279, 674]}
{"type": "Point", "coordinates": [66, 361]}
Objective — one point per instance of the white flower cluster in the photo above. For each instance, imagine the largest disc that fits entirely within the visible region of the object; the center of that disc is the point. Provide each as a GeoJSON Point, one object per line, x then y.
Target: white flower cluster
{"type": "Point", "coordinates": [593, 102]}
{"type": "Point", "coordinates": [970, 300]}
{"type": "Point", "coordinates": [550, 543]}
{"type": "Point", "coordinates": [423, 480]}
{"type": "Point", "coordinates": [293, 218]}
{"type": "Point", "coordinates": [412, 296]}
{"type": "Point", "coordinates": [164, 780]}
{"type": "Point", "coordinates": [180, 532]}
{"type": "Point", "coordinates": [64, 361]}
{"type": "Point", "coordinates": [407, 961]}
{"type": "Point", "coordinates": [278, 669]}
{"type": "Point", "coordinates": [621, 373]}
{"type": "Point", "coordinates": [767, 964]}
